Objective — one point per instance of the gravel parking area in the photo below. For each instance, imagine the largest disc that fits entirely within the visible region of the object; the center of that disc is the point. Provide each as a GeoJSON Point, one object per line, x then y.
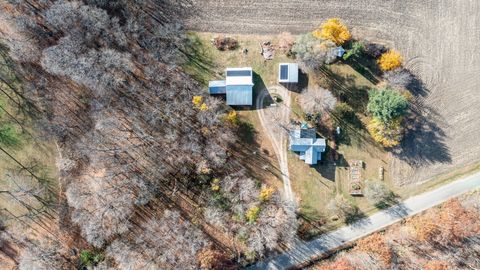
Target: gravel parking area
{"type": "Point", "coordinates": [440, 40]}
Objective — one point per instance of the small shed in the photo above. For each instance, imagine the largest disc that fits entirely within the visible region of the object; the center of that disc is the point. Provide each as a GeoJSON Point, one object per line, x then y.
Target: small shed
{"type": "Point", "coordinates": [304, 141]}
{"type": "Point", "coordinates": [339, 51]}
{"type": "Point", "coordinates": [288, 73]}
{"type": "Point", "coordinates": [217, 87]}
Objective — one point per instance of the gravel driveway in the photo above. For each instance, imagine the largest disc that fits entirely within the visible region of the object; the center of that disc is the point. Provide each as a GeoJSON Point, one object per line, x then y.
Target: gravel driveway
{"type": "Point", "coordinates": [274, 120]}
{"type": "Point", "coordinates": [440, 40]}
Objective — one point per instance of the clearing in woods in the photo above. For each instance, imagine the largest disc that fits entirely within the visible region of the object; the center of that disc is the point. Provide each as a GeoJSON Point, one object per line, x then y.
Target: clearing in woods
{"type": "Point", "coordinates": [439, 40]}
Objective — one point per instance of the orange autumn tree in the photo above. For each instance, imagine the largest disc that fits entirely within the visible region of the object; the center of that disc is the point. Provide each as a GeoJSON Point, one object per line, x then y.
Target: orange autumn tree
{"type": "Point", "coordinates": [436, 265]}
{"type": "Point", "coordinates": [339, 264]}
{"type": "Point", "coordinates": [447, 225]}
{"type": "Point", "coordinates": [390, 60]}
{"type": "Point", "coordinates": [333, 29]}
{"type": "Point", "coordinates": [213, 259]}
{"type": "Point", "coordinates": [376, 244]}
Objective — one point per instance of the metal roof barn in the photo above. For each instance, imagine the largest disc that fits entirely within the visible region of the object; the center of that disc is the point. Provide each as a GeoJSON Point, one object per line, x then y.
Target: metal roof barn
{"type": "Point", "coordinates": [288, 73]}
{"type": "Point", "coordinates": [238, 86]}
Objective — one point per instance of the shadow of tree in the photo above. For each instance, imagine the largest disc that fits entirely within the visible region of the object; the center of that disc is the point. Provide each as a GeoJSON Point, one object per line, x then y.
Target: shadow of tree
{"type": "Point", "coordinates": [366, 66]}
{"type": "Point", "coordinates": [416, 86]}
{"type": "Point", "coordinates": [246, 132]}
{"type": "Point", "coordinates": [357, 219]}
{"type": "Point", "coordinates": [199, 63]}
{"type": "Point", "coordinates": [345, 89]}
{"type": "Point", "coordinates": [424, 141]}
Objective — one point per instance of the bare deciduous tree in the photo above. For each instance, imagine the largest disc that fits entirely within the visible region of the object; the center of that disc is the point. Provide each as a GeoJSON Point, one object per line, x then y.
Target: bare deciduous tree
{"type": "Point", "coordinates": [167, 243]}
{"type": "Point", "coordinates": [44, 255]}
{"type": "Point", "coordinates": [399, 78]}
{"type": "Point", "coordinates": [317, 100]}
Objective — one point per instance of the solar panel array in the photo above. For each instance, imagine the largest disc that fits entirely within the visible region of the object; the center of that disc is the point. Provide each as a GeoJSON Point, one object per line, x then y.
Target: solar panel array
{"type": "Point", "coordinates": [238, 73]}
{"type": "Point", "coordinates": [283, 72]}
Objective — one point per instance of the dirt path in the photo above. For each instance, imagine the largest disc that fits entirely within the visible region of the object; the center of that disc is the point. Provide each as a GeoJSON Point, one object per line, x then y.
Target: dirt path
{"type": "Point", "coordinates": [439, 39]}
{"type": "Point", "coordinates": [274, 120]}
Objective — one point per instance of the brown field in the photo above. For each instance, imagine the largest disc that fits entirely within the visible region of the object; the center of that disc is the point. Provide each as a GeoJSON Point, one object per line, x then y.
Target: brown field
{"type": "Point", "coordinates": [439, 40]}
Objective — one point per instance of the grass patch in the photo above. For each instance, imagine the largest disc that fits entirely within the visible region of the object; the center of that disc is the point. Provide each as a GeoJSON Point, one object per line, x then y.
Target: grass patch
{"type": "Point", "coordinates": [22, 143]}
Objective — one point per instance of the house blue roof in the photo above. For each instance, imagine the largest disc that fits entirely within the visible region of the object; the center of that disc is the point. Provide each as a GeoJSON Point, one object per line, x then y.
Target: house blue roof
{"type": "Point", "coordinates": [304, 141]}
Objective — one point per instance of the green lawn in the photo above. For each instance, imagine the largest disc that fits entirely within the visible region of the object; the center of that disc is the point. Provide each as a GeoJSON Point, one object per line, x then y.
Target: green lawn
{"type": "Point", "coordinates": [349, 81]}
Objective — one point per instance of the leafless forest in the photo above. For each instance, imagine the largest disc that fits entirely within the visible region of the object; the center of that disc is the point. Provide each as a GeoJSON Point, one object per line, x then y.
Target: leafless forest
{"type": "Point", "coordinates": [147, 179]}
{"type": "Point", "coordinates": [439, 39]}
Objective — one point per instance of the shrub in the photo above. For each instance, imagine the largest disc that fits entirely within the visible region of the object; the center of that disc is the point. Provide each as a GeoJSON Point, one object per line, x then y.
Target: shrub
{"type": "Point", "coordinates": [89, 258]}
{"type": "Point", "coordinates": [386, 105]}
{"type": "Point", "coordinates": [342, 208]}
{"type": "Point", "coordinates": [334, 30]}
{"type": "Point", "coordinates": [377, 192]}
{"type": "Point", "coordinates": [225, 43]}
{"type": "Point", "coordinates": [356, 50]}
{"type": "Point", "coordinates": [285, 42]}
{"type": "Point", "coordinates": [390, 60]}
{"type": "Point", "coordinates": [387, 134]}
{"type": "Point", "coordinates": [9, 136]}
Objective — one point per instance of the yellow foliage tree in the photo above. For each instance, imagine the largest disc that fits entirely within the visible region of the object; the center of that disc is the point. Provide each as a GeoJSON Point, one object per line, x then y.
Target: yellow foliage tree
{"type": "Point", "coordinates": [266, 193]}
{"type": "Point", "coordinates": [333, 29]}
{"type": "Point", "coordinates": [215, 184]}
{"type": "Point", "coordinates": [390, 60]}
{"type": "Point", "coordinates": [252, 214]}
{"type": "Point", "coordinates": [203, 107]}
{"type": "Point", "coordinates": [197, 100]}
{"type": "Point", "coordinates": [232, 117]}
{"type": "Point", "coordinates": [388, 135]}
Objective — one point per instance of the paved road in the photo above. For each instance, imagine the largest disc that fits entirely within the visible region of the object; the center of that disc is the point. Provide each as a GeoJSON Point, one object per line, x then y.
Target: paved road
{"type": "Point", "coordinates": [305, 251]}
{"type": "Point", "coordinates": [273, 119]}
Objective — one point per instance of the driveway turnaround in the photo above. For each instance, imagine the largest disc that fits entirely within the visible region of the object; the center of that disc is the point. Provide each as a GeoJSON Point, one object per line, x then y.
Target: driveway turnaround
{"type": "Point", "coordinates": [303, 252]}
